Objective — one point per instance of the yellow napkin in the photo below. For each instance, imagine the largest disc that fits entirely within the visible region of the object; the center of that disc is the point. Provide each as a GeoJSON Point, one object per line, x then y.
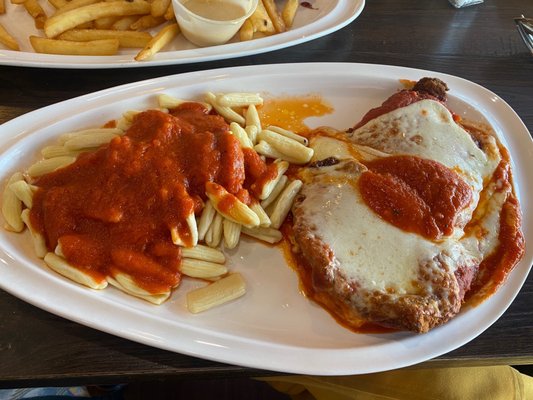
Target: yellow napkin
{"type": "Point", "coordinates": [467, 383]}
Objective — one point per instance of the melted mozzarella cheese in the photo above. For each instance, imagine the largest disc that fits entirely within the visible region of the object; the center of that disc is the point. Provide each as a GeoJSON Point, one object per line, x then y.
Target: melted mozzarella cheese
{"type": "Point", "coordinates": [368, 250]}
{"type": "Point", "coordinates": [426, 129]}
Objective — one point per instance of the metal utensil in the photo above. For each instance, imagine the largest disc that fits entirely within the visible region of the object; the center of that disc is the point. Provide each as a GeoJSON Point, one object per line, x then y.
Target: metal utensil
{"type": "Point", "coordinates": [525, 28]}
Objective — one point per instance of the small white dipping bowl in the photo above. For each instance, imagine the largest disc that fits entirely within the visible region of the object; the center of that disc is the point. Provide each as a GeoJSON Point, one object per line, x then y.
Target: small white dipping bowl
{"type": "Point", "coordinates": [214, 21]}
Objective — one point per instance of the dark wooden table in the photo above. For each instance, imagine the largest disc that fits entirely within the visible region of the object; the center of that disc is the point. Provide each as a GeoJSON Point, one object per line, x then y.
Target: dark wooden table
{"type": "Point", "coordinates": [479, 43]}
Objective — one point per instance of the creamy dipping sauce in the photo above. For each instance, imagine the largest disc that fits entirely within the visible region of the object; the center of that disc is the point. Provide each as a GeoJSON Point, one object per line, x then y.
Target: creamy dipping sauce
{"type": "Point", "coordinates": [219, 10]}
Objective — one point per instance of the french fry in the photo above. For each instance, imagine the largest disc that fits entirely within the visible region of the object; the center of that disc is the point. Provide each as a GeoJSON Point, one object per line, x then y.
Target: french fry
{"type": "Point", "coordinates": [2, 6]}
{"type": "Point", "coordinates": [7, 39]}
{"type": "Point", "coordinates": [160, 40]}
{"type": "Point", "coordinates": [289, 12]}
{"type": "Point", "coordinates": [217, 293]}
{"type": "Point", "coordinates": [36, 11]}
{"type": "Point", "coordinates": [234, 209]}
{"type": "Point", "coordinates": [131, 39]}
{"type": "Point", "coordinates": [283, 203]}
{"type": "Point", "coordinates": [104, 22]}
{"type": "Point", "coordinates": [104, 47]}
{"type": "Point", "coordinates": [261, 21]}
{"type": "Point", "coordinates": [203, 253]}
{"type": "Point", "coordinates": [49, 165]}
{"type": "Point", "coordinates": [274, 15]}
{"type": "Point", "coordinates": [231, 232]}
{"type": "Point", "coordinates": [60, 23]}
{"type": "Point", "coordinates": [169, 13]}
{"type": "Point", "coordinates": [39, 243]}
{"type": "Point", "coordinates": [159, 7]}
{"type": "Point", "coordinates": [124, 23]}
{"type": "Point", "coordinates": [71, 5]}
{"type": "Point", "coordinates": [202, 269]}
{"type": "Point", "coordinates": [62, 267]}
{"type": "Point", "coordinates": [12, 206]}
{"type": "Point", "coordinates": [246, 32]}
{"type": "Point", "coordinates": [146, 22]}
{"type": "Point", "coordinates": [58, 3]}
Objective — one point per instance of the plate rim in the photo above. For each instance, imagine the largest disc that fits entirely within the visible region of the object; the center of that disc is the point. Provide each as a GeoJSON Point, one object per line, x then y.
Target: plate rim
{"type": "Point", "coordinates": [307, 359]}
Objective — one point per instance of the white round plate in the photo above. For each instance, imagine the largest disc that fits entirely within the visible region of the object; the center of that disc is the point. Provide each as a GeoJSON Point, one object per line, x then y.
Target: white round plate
{"type": "Point", "coordinates": [327, 16]}
{"type": "Point", "coordinates": [273, 327]}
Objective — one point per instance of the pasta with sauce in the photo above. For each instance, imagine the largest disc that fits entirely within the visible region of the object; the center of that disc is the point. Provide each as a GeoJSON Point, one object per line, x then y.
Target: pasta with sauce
{"type": "Point", "coordinates": [90, 222]}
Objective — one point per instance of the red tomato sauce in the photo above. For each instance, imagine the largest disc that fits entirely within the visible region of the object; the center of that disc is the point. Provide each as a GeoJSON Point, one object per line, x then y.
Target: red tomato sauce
{"type": "Point", "coordinates": [112, 210]}
{"type": "Point", "coordinates": [494, 269]}
{"type": "Point", "coordinates": [414, 194]}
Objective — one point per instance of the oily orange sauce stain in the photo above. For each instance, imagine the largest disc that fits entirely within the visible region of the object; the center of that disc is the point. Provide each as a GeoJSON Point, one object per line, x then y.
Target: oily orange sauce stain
{"type": "Point", "coordinates": [291, 112]}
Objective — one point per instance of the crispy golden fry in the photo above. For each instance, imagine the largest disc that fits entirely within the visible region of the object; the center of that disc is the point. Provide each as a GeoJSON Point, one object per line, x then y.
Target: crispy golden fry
{"type": "Point", "coordinates": [73, 4]}
{"type": "Point", "coordinates": [57, 3]}
{"type": "Point", "coordinates": [163, 37]}
{"type": "Point", "coordinates": [146, 22]}
{"type": "Point", "coordinates": [103, 47]}
{"type": "Point", "coordinates": [169, 13]}
{"type": "Point", "coordinates": [247, 31]}
{"type": "Point", "coordinates": [7, 39]}
{"type": "Point", "coordinates": [274, 15]}
{"type": "Point", "coordinates": [58, 24]}
{"type": "Point", "coordinates": [159, 7]}
{"type": "Point", "coordinates": [36, 11]}
{"type": "Point", "coordinates": [125, 38]}
{"type": "Point", "coordinates": [124, 23]}
{"type": "Point", "coordinates": [289, 12]}
{"type": "Point", "coordinates": [105, 22]}
{"type": "Point", "coordinates": [17, 1]}
{"type": "Point", "coordinates": [2, 6]}
{"type": "Point", "coordinates": [261, 20]}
